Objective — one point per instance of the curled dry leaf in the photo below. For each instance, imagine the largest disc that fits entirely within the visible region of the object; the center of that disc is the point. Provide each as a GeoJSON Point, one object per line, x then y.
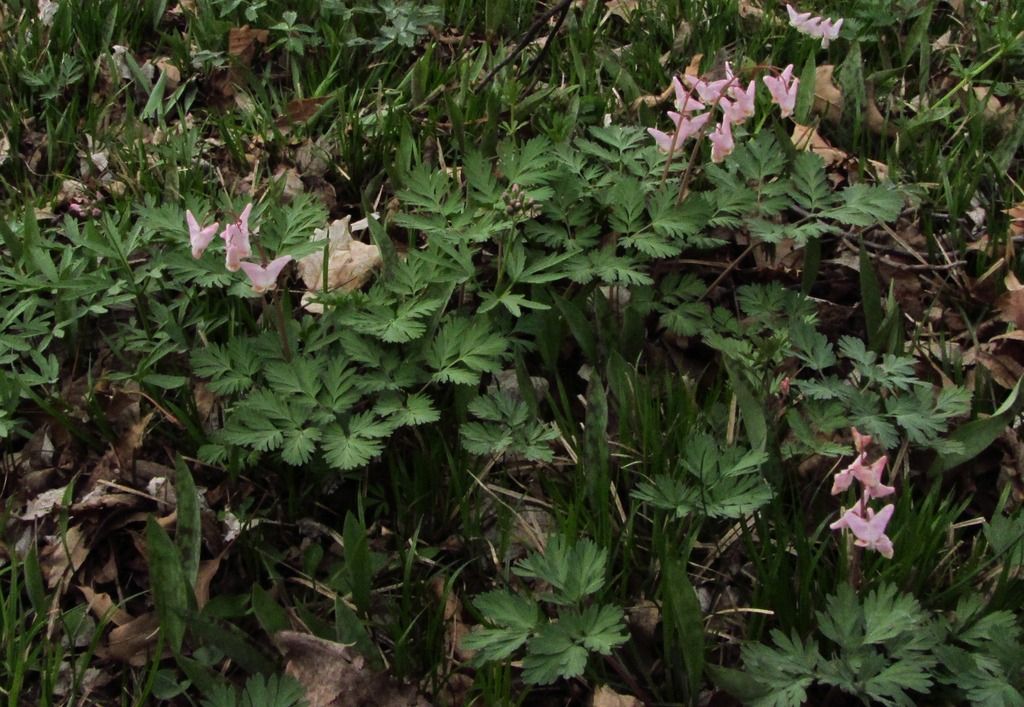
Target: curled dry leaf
{"type": "Point", "coordinates": [1016, 214]}
{"type": "Point", "coordinates": [242, 42]}
{"type": "Point", "coordinates": [334, 676]}
{"type": "Point", "coordinates": [873, 118]}
{"type": "Point", "coordinates": [62, 557]}
{"type": "Point", "coordinates": [43, 504]}
{"type": "Point", "coordinates": [103, 607]}
{"type": "Point", "coordinates": [131, 642]}
{"type": "Point", "coordinates": [621, 8]}
{"type": "Point", "coordinates": [350, 263]}
{"type": "Point", "coordinates": [828, 98]}
{"type": "Point", "coordinates": [805, 137]}
{"type": "Point", "coordinates": [750, 9]}
{"type": "Point", "coordinates": [604, 696]}
{"type": "Point", "coordinates": [172, 72]}
{"type": "Point", "coordinates": [1011, 303]}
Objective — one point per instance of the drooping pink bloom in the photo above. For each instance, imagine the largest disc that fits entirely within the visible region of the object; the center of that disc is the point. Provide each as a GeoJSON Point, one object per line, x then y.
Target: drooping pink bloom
{"type": "Point", "coordinates": [860, 442]}
{"type": "Point", "coordinates": [199, 237]}
{"type": "Point", "coordinates": [685, 103]}
{"type": "Point", "coordinates": [797, 19]}
{"type": "Point", "coordinates": [784, 90]}
{"type": "Point", "coordinates": [844, 478]}
{"type": "Point", "coordinates": [236, 240]}
{"type": "Point", "coordinates": [686, 127]}
{"type": "Point", "coordinates": [743, 103]}
{"type": "Point", "coordinates": [709, 91]}
{"type": "Point", "coordinates": [265, 278]}
{"type": "Point", "coordinates": [722, 143]}
{"type": "Point", "coordinates": [817, 27]}
{"type": "Point", "coordinates": [869, 475]}
{"type": "Point", "coordinates": [870, 531]}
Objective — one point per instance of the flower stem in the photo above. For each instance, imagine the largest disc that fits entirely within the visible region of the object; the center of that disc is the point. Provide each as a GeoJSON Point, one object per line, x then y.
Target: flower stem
{"type": "Point", "coordinates": [281, 329]}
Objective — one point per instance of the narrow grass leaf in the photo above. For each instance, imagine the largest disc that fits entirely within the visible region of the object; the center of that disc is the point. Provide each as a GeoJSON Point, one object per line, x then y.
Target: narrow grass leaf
{"type": "Point", "coordinates": [188, 533]}
{"type": "Point", "coordinates": [871, 298]}
{"type": "Point", "coordinates": [171, 590]}
{"type": "Point", "coordinates": [976, 435]}
{"type": "Point", "coordinates": [357, 561]}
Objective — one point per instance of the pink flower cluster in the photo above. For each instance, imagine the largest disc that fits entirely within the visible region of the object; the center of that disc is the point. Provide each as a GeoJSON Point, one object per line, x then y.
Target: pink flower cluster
{"type": "Point", "coordinates": [236, 246]}
{"type": "Point", "coordinates": [735, 102]}
{"type": "Point", "coordinates": [817, 27]}
{"type": "Point", "coordinates": [867, 526]}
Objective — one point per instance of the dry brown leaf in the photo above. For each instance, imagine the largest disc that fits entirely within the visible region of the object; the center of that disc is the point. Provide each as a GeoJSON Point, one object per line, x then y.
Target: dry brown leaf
{"type": "Point", "coordinates": [62, 557]}
{"type": "Point", "coordinates": [1011, 303]}
{"type": "Point", "coordinates": [750, 9]}
{"type": "Point", "coordinates": [300, 110]}
{"type": "Point", "coordinates": [805, 137]}
{"type": "Point", "coordinates": [131, 642]}
{"type": "Point", "coordinates": [334, 676]}
{"type": "Point", "coordinates": [350, 263]}
{"type": "Point", "coordinates": [207, 571]}
{"type": "Point", "coordinates": [44, 504]}
{"type": "Point", "coordinates": [292, 183]}
{"type": "Point", "coordinates": [103, 607]}
{"type": "Point", "coordinates": [1016, 214]}
{"type": "Point", "coordinates": [693, 68]}
{"type": "Point", "coordinates": [242, 42]}
{"type": "Point", "coordinates": [643, 620]}
{"type": "Point", "coordinates": [828, 98]}
{"type": "Point", "coordinates": [874, 119]}
{"type": "Point", "coordinates": [604, 696]}
{"type": "Point", "coordinates": [172, 72]}
{"type": "Point", "coordinates": [131, 441]}
{"type": "Point", "coordinates": [621, 8]}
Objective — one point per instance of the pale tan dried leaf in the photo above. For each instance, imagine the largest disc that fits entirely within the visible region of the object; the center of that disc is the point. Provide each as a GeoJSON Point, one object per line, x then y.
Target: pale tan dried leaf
{"type": "Point", "coordinates": [828, 98]}
{"type": "Point", "coordinates": [172, 72]}
{"type": "Point", "coordinates": [132, 440]}
{"type": "Point", "coordinates": [621, 8]}
{"type": "Point", "coordinates": [207, 571]}
{"type": "Point", "coordinates": [1011, 303]}
{"type": "Point", "coordinates": [1016, 214]}
{"type": "Point", "coordinates": [750, 9]}
{"type": "Point", "coordinates": [334, 676]}
{"type": "Point", "coordinates": [44, 504]}
{"type": "Point", "coordinates": [292, 183]}
{"type": "Point", "coordinates": [805, 137]}
{"type": "Point", "coordinates": [874, 119]}
{"type": "Point", "coordinates": [131, 642]}
{"type": "Point", "coordinates": [604, 696]}
{"type": "Point", "coordinates": [103, 607]}
{"type": "Point", "coordinates": [63, 556]}
{"type": "Point", "coordinates": [242, 42]}
{"type": "Point", "coordinates": [350, 263]}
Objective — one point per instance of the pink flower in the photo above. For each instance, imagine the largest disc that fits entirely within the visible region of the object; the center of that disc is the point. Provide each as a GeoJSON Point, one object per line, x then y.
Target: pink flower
{"type": "Point", "coordinates": [684, 102]}
{"type": "Point", "coordinates": [784, 90]}
{"type": "Point", "coordinates": [743, 107]}
{"type": "Point", "coordinates": [265, 278]}
{"type": "Point", "coordinates": [870, 475]}
{"type": "Point", "coordinates": [844, 478]}
{"type": "Point", "coordinates": [721, 141]}
{"type": "Point", "coordinates": [797, 19]}
{"type": "Point", "coordinates": [860, 442]}
{"type": "Point", "coordinates": [709, 91]}
{"type": "Point", "coordinates": [686, 127]}
{"type": "Point", "coordinates": [199, 237]}
{"type": "Point", "coordinates": [817, 27]}
{"type": "Point", "coordinates": [870, 531]}
{"type": "Point", "coordinates": [236, 240]}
